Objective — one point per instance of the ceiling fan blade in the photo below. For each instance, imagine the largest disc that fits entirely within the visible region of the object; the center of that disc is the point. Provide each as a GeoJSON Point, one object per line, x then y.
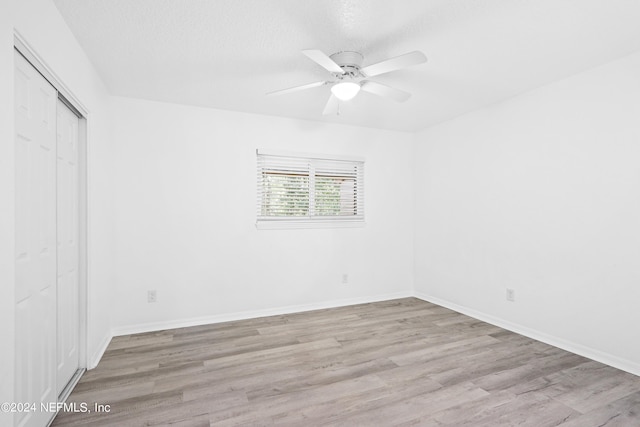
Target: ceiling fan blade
{"type": "Point", "coordinates": [332, 106]}
{"type": "Point", "coordinates": [323, 60]}
{"type": "Point", "coordinates": [402, 61]}
{"type": "Point", "coordinates": [385, 91]}
{"type": "Point", "coordinates": [297, 88]}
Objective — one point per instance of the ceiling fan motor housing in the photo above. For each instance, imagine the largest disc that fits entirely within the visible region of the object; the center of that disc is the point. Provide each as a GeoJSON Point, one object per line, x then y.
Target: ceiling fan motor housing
{"type": "Point", "coordinates": [349, 61]}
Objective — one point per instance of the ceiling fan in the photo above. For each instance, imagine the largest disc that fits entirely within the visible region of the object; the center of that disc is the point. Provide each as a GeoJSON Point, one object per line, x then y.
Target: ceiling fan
{"type": "Point", "coordinates": [348, 76]}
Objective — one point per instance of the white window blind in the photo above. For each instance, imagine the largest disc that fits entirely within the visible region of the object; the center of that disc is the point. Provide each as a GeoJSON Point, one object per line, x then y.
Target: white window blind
{"type": "Point", "coordinates": [307, 189]}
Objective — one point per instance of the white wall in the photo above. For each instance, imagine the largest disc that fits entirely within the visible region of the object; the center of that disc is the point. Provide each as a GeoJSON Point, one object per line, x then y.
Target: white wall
{"type": "Point", "coordinates": [186, 190]}
{"type": "Point", "coordinates": [7, 287]}
{"type": "Point", "coordinates": [40, 24]}
{"type": "Point", "coordinates": [540, 194]}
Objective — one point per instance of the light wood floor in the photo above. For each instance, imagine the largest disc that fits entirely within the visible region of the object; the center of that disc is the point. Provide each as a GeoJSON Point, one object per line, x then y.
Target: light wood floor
{"type": "Point", "coordinates": [401, 362]}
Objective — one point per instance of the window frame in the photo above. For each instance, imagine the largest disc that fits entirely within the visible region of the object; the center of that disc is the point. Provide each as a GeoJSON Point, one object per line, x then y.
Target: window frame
{"type": "Point", "coordinates": [314, 166]}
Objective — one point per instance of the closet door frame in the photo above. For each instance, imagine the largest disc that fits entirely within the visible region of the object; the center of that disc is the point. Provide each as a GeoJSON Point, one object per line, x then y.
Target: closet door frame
{"type": "Point", "coordinates": [71, 101]}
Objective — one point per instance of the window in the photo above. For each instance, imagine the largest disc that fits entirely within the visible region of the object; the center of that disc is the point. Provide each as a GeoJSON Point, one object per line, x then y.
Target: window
{"type": "Point", "coordinates": [309, 190]}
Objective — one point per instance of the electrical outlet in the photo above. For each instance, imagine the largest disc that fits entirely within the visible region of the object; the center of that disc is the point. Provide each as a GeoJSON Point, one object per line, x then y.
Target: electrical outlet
{"type": "Point", "coordinates": [511, 295]}
{"type": "Point", "coordinates": [151, 296]}
{"type": "Point", "coordinates": [345, 278]}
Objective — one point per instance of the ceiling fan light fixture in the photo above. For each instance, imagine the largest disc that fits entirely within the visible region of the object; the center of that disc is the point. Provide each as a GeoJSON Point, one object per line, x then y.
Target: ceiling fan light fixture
{"type": "Point", "coordinates": [345, 91]}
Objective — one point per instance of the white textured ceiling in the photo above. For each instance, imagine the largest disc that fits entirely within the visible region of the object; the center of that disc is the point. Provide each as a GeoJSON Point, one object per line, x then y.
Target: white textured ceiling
{"type": "Point", "coordinates": [228, 53]}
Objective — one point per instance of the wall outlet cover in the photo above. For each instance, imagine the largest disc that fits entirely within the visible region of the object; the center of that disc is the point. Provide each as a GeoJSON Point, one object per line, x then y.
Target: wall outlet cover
{"type": "Point", "coordinates": [511, 295]}
{"type": "Point", "coordinates": [151, 296]}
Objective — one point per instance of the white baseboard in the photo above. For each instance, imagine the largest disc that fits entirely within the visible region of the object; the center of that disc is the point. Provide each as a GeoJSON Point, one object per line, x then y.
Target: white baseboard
{"type": "Point", "coordinates": [243, 315]}
{"type": "Point", "coordinates": [97, 355]}
{"type": "Point", "coordinates": [597, 355]}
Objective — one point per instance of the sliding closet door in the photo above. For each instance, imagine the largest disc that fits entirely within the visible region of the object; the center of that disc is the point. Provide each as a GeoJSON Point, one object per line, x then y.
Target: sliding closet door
{"type": "Point", "coordinates": [68, 248]}
{"type": "Point", "coordinates": [35, 262]}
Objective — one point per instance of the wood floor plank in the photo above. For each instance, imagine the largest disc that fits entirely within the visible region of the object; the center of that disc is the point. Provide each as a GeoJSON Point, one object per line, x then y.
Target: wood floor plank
{"type": "Point", "coordinates": [620, 413]}
{"type": "Point", "coordinates": [275, 406]}
{"type": "Point", "coordinates": [391, 363]}
{"type": "Point", "coordinates": [528, 410]}
{"type": "Point", "coordinates": [412, 408]}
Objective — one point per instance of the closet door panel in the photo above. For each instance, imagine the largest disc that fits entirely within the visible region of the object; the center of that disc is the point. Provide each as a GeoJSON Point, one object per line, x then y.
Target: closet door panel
{"type": "Point", "coordinates": [35, 261]}
{"type": "Point", "coordinates": [68, 249]}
